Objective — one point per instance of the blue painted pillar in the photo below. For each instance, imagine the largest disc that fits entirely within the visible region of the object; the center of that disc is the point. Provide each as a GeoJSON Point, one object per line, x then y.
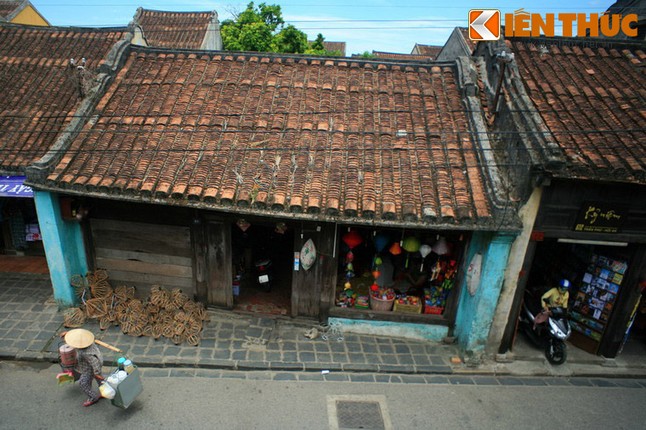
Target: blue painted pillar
{"type": "Point", "coordinates": [477, 307]}
{"type": "Point", "coordinates": [64, 247]}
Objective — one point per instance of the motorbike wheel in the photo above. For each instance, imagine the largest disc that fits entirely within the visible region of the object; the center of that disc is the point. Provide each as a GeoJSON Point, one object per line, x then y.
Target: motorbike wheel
{"type": "Point", "coordinates": [555, 352]}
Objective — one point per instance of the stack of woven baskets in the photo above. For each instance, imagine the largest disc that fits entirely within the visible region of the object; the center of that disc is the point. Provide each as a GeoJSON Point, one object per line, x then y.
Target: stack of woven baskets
{"type": "Point", "coordinates": [164, 313]}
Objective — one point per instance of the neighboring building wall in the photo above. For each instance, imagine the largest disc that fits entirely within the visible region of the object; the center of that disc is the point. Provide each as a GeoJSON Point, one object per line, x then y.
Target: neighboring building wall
{"type": "Point", "coordinates": [456, 46]}
{"type": "Point", "coordinates": [512, 274]}
{"type": "Point", "coordinates": [480, 292]}
{"type": "Point", "coordinates": [64, 247]}
{"type": "Point", "coordinates": [29, 16]}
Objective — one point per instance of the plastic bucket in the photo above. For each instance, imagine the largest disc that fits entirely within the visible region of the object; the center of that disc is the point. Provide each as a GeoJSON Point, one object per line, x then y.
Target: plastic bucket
{"type": "Point", "coordinates": [67, 355]}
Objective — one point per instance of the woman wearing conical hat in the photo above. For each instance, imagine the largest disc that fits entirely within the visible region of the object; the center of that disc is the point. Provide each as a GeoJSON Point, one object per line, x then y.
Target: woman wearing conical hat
{"type": "Point", "coordinates": [89, 361]}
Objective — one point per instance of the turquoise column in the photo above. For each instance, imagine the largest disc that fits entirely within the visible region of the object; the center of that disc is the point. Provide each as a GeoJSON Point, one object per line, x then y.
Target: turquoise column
{"type": "Point", "coordinates": [64, 247]}
{"type": "Point", "coordinates": [477, 307]}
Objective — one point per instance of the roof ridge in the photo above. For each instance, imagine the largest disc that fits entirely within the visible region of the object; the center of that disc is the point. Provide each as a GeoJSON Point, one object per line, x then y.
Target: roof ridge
{"type": "Point", "coordinates": [295, 57]}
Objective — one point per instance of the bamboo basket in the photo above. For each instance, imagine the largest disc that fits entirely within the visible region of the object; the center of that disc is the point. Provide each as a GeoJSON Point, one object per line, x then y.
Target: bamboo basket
{"type": "Point", "coordinates": [378, 304]}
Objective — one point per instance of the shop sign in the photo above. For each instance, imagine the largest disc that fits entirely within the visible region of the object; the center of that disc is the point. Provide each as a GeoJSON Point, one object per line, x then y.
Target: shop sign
{"type": "Point", "coordinates": [600, 218]}
{"type": "Point", "coordinates": [13, 186]}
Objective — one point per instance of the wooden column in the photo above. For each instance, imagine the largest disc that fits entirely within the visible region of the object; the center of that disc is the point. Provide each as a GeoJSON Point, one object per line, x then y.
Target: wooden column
{"type": "Point", "coordinates": [219, 271]}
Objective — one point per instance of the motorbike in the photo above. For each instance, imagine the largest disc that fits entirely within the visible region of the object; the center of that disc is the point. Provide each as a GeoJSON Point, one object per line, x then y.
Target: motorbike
{"type": "Point", "coordinates": [550, 334]}
{"type": "Point", "coordinates": [264, 273]}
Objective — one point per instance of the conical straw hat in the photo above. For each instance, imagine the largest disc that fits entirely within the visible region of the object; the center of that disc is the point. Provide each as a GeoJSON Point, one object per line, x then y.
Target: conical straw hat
{"type": "Point", "coordinates": [79, 338]}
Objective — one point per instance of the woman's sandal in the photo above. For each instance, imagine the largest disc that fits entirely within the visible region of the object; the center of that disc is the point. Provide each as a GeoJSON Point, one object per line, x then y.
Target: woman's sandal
{"type": "Point", "coordinates": [90, 402]}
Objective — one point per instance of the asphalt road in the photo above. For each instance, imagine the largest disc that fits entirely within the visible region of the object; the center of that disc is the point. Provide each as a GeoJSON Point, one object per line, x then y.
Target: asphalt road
{"type": "Point", "coordinates": [31, 399]}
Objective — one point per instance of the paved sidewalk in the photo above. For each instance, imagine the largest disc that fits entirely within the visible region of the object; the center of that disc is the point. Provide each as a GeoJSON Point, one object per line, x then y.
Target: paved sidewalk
{"type": "Point", "coordinates": [30, 322]}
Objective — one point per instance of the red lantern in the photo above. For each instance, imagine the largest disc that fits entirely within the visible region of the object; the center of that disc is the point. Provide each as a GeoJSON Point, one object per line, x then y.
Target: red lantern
{"type": "Point", "coordinates": [352, 239]}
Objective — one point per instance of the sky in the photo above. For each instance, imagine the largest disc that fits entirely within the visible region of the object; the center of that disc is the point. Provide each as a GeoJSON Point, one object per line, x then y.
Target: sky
{"type": "Point", "coordinates": [365, 25]}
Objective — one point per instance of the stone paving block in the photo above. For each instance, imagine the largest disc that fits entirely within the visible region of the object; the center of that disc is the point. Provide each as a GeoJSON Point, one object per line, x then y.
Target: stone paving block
{"type": "Point", "coordinates": [284, 376]}
{"type": "Point", "coordinates": [436, 379]}
{"type": "Point", "coordinates": [508, 380]}
{"type": "Point", "coordinates": [323, 366]}
{"type": "Point", "coordinates": [413, 379]}
{"type": "Point", "coordinates": [461, 380]}
{"type": "Point", "coordinates": [222, 354]}
{"type": "Point", "coordinates": [389, 359]}
{"type": "Point", "coordinates": [255, 355]}
{"type": "Point", "coordinates": [627, 383]}
{"type": "Point", "coordinates": [337, 346]}
{"type": "Point", "coordinates": [310, 376]}
{"type": "Point", "coordinates": [307, 356]}
{"type": "Point", "coordinates": [535, 382]}
{"type": "Point", "coordinates": [362, 377]}
{"type": "Point", "coordinates": [485, 380]}
{"type": "Point", "coordinates": [290, 356]}
{"type": "Point", "coordinates": [182, 372]}
{"type": "Point", "coordinates": [405, 359]}
{"type": "Point", "coordinates": [324, 357]}
{"type": "Point", "coordinates": [556, 381]}
{"type": "Point", "coordinates": [580, 382]}
{"type": "Point", "coordinates": [273, 356]}
{"type": "Point", "coordinates": [340, 357]}
{"type": "Point", "coordinates": [357, 358]}
{"type": "Point", "coordinates": [337, 377]}
{"type": "Point", "coordinates": [321, 347]}
{"type": "Point", "coordinates": [305, 347]}
{"type": "Point", "coordinates": [208, 373]}
{"type": "Point", "coordinates": [602, 383]}
{"type": "Point", "coordinates": [239, 355]}
{"type": "Point", "coordinates": [386, 349]}
{"type": "Point", "coordinates": [433, 369]}
{"type": "Point", "coordinates": [370, 348]}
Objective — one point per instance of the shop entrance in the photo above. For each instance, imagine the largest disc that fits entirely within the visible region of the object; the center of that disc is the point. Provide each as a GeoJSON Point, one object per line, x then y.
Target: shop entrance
{"type": "Point", "coordinates": [598, 277]}
{"type": "Point", "coordinates": [264, 250]}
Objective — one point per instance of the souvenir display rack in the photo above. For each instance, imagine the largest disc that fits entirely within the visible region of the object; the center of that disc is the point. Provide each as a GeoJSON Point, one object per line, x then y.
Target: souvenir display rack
{"type": "Point", "coordinates": [594, 300]}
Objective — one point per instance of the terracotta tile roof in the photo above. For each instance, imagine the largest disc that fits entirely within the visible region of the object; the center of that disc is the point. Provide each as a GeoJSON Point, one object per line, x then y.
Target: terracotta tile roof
{"type": "Point", "coordinates": [593, 99]}
{"type": "Point", "coordinates": [398, 56]}
{"type": "Point", "coordinates": [40, 89]}
{"type": "Point", "coordinates": [177, 30]}
{"type": "Point", "coordinates": [428, 50]}
{"type": "Point", "coordinates": [7, 7]}
{"type": "Point", "coordinates": [285, 134]}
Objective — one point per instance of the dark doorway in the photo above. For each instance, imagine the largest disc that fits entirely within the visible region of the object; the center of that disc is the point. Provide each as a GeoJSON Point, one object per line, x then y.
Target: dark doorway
{"type": "Point", "coordinates": [262, 243]}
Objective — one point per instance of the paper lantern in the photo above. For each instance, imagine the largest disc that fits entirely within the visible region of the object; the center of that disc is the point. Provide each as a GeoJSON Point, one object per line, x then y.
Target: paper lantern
{"type": "Point", "coordinates": [411, 244]}
{"type": "Point", "coordinates": [395, 249]}
{"type": "Point", "coordinates": [441, 247]}
{"type": "Point", "coordinates": [352, 239]}
{"type": "Point", "coordinates": [381, 241]}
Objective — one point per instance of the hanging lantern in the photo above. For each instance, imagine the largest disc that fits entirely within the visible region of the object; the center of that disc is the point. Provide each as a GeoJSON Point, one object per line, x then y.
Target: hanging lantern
{"type": "Point", "coordinates": [378, 261]}
{"type": "Point", "coordinates": [381, 241]}
{"type": "Point", "coordinates": [441, 247]}
{"type": "Point", "coordinates": [395, 249]}
{"type": "Point", "coordinates": [411, 244]}
{"type": "Point", "coordinates": [243, 224]}
{"type": "Point", "coordinates": [349, 257]}
{"type": "Point", "coordinates": [376, 274]}
{"type": "Point", "coordinates": [352, 239]}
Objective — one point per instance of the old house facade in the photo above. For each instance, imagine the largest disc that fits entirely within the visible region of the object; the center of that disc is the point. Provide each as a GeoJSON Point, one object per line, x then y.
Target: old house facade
{"type": "Point", "coordinates": [191, 162]}
{"type": "Point", "coordinates": [567, 118]}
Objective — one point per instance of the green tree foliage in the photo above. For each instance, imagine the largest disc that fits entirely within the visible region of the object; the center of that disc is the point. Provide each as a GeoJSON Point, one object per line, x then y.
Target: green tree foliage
{"type": "Point", "coordinates": [290, 39]}
{"type": "Point", "coordinates": [262, 29]}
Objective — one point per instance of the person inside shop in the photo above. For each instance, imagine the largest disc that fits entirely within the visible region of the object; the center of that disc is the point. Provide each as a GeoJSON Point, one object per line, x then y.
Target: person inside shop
{"type": "Point", "coordinates": [557, 296]}
{"type": "Point", "coordinates": [413, 279]}
{"type": "Point", "coordinates": [89, 362]}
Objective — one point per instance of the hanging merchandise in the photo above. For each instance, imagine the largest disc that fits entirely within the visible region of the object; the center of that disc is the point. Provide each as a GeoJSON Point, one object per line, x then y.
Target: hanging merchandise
{"type": "Point", "coordinates": [352, 239]}
{"type": "Point", "coordinates": [308, 254]}
{"type": "Point", "coordinates": [395, 249]}
{"type": "Point", "coordinates": [381, 241]}
{"type": "Point", "coordinates": [280, 228]}
{"type": "Point", "coordinates": [441, 247]}
{"type": "Point", "coordinates": [424, 250]}
{"type": "Point", "coordinates": [411, 244]}
{"type": "Point", "coordinates": [243, 224]}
